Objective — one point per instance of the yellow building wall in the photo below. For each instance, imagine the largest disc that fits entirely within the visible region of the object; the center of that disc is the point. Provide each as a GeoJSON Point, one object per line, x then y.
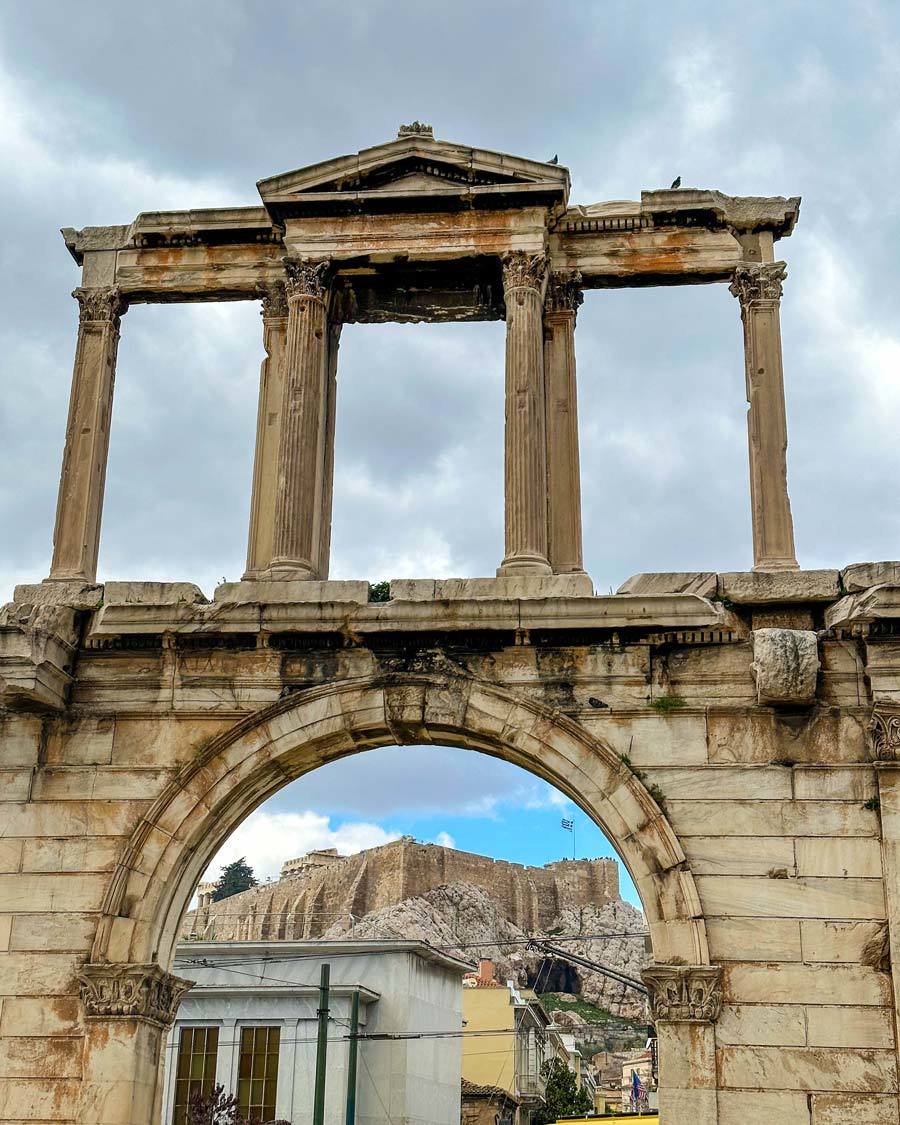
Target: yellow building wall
{"type": "Point", "coordinates": [489, 1060]}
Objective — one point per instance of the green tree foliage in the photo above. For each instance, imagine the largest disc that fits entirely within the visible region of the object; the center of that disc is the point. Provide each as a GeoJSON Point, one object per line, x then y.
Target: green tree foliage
{"type": "Point", "coordinates": [236, 877]}
{"type": "Point", "coordinates": [564, 1096]}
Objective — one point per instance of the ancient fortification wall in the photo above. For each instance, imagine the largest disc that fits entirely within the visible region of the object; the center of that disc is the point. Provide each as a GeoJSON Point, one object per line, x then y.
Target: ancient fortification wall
{"type": "Point", "coordinates": [307, 904]}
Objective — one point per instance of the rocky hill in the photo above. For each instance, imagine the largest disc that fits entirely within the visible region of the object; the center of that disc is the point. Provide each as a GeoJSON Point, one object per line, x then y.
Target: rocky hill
{"type": "Point", "coordinates": [467, 904]}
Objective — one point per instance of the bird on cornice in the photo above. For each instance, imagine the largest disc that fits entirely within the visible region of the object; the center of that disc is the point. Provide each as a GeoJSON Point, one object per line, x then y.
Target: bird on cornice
{"type": "Point", "coordinates": [676, 183]}
{"type": "Point", "coordinates": [555, 160]}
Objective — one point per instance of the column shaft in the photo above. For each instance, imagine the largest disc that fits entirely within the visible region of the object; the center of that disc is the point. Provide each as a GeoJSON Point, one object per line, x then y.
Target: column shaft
{"type": "Point", "coordinates": [525, 465]}
{"type": "Point", "coordinates": [563, 461]}
{"type": "Point", "coordinates": [76, 536]}
{"type": "Point", "coordinates": [268, 431]}
{"type": "Point", "coordinates": [334, 343]}
{"type": "Point", "coordinates": [301, 473]}
{"type": "Point", "coordinates": [758, 287]}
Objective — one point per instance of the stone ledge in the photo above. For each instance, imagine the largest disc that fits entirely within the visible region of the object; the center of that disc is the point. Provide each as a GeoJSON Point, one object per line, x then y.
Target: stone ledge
{"type": "Point", "coordinates": [863, 576]}
{"type": "Point", "coordinates": [503, 587]}
{"type": "Point", "coordinates": [863, 608]}
{"type": "Point", "coordinates": [72, 593]}
{"type": "Point", "coordinates": [614, 611]}
{"type": "Point", "coordinates": [704, 583]}
{"type": "Point", "coordinates": [756, 587]}
{"type": "Point", "coordinates": [273, 591]}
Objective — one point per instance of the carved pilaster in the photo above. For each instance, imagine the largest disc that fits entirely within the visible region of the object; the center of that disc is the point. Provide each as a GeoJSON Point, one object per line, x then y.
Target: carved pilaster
{"type": "Point", "coordinates": [525, 453]}
{"type": "Point", "coordinates": [564, 546]}
{"type": "Point", "coordinates": [274, 300]}
{"type": "Point", "coordinates": [564, 293]}
{"type": "Point", "coordinates": [684, 993]}
{"type": "Point", "coordinates": [758, 287]}
{"type": "Point", "coordinates": [755, 282]}
{"type": "Point", "coordinates": [79, 508]}
{"type": "Point", "coordinates": [105, 304]}
{"type": "Point", "coordinates": [884, 733]}
{"type": "Point", "coordinates": [302, 470]}
{"type": "Point", "coordinates": [142, 992]}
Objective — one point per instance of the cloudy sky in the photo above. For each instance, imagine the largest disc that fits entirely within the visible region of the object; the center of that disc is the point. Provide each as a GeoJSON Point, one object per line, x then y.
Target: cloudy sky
{"type": "Point", "coordinates": [109, 109]}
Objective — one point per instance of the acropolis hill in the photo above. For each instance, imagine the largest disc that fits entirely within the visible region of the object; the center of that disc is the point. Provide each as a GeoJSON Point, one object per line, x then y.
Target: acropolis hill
{"type": "Point", "coordinates": [319, 889]}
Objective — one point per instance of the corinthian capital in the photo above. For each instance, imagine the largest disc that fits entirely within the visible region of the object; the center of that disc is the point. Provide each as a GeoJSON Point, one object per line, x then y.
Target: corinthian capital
{"type": "Point", "coordinates": [758, 282]}
{"type": "Point", "coordinates": [274, 299]}
{"type": "Point", "coordinates": [684, 993]}
{"type": "Point", "coordinates": [307, 277]}
{"type": "Point", "coordinates": [564, 293]}
{"type": "Point", "coordinates": [143, 992]}
{"type": "Point", "coordinates": [884, 733]}
{"type": "Point", "coordinates": [524, 271]}
{"type": "Point", "coordinates": [105, 304]}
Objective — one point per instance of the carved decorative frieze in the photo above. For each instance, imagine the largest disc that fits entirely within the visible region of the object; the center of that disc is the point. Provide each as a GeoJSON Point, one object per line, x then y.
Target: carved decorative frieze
{"type": "Point", "coordinates": [762, 281]}
{"type": "Point", "coordinates": [143, 992]}
{"type": "Point", "coordinates": [564, 292]}
{"type": "Point", "coordinates": [416, 129]}
{"type": "Point", "coordinates": [103, 304]}
{"type": "Point", "coordinates": [684, 993]}
{"type": "Point", "coordinates": [307, 277]}
{"type": "Point", "coordinates": [274, 299]}
{"type": "Point", "coordinates": [884, 733]}
{"type": "Point", "coordinates": [524, 271]}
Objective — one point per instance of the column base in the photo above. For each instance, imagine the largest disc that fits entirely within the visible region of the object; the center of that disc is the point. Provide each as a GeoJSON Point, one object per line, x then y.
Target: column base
{"type": "Point", "coordinates": [287, 570]}
{"type": "Point", "coordinates": [769, 565]}
{"type": "Point", "coordinates": [514, 565]}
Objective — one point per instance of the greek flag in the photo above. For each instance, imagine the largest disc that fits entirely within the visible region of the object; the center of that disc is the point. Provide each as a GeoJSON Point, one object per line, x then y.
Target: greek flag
{"type": "Point", "coordinates": [569, 825]}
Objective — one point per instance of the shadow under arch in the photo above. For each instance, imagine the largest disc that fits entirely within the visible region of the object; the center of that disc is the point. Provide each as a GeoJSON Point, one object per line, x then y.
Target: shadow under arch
{"type": "Point", "coordinates": [151, 887]}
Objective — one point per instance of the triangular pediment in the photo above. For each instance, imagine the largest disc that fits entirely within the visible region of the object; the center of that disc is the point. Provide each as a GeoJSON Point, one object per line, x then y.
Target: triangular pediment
{"type": "Point", "coordinates": [410, 165]}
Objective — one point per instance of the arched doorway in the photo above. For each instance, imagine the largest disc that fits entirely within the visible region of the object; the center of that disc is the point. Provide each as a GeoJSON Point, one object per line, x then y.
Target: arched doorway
{"type": "Point", "coordinates": [151, 887]}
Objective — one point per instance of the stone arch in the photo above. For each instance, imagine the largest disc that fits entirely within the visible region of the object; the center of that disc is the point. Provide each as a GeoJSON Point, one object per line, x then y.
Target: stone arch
{"type": "Point", "coordinates": [151, 887]}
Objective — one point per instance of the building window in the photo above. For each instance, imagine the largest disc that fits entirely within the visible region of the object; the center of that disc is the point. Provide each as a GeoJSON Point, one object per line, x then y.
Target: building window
{"type": "Point", "coordinates": [258, 1072]}
{"type": "Point", "coordinates": [196, 1072]}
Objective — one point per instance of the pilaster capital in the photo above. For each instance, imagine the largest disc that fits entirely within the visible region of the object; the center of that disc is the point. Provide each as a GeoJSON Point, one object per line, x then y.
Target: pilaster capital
{"type": "Point", "coordinates": [143, 992]}
{"type": "Point", "coordinates": [754, 282]}
{"type": "Point", "coordinates": [307, 277]}
{"type": "Point", "coordinates": [684, 993]}
{"type": "Point", "coordinates": [564, 292]}
{"type": "Point", "coordinates": [523, 271]}
{"type": "Point", "coordinates": [884, 733]}
{"type": "Point", "coordinates": [273, 295]}
{"type": "Point", "coordinates": [101, 304]}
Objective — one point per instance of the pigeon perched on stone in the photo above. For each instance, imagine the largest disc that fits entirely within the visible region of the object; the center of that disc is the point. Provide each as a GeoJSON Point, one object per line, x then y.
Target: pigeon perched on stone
{"type": "Point", "coordinates": [555, 160]}
{"type": "Point", "coordinates": [676, 183]}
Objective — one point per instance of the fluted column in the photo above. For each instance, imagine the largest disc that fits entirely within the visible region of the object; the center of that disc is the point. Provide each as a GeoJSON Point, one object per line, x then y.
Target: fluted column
{"type": "Point", "coordinates": [268, 429]}
{"type": "Point", "coordinates": [79, 509]}
{"type": "Point", "coordinates": [301, 449]}
{"type": "Point", "coordinates": [525, 463]}
{"type": "Point", "coordinates": [334, 343]}
{"type": "Point", "coordinates": [563, 462]}
{"type": "Point", "coordinates": [758, 287]}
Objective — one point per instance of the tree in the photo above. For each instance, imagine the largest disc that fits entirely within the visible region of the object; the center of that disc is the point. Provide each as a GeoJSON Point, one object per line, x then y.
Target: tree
{"type": "Point", "coordinates": [219, 1108]}
{"type": "Point", "coordinates": [235, 877]}
{"type": "Point", "coordinates": [564, 1096]}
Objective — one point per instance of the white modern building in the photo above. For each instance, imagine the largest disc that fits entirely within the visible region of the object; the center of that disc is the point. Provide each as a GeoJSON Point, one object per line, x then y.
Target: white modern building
{"type": "Point", "coordinates": [250, 1024]}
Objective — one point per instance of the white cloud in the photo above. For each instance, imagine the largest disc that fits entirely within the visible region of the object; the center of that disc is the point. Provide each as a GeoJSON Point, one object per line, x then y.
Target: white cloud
{"type": "Point", "coordinates": [445, 840]}
{"type": "Point", "coordinates": [268, 839]}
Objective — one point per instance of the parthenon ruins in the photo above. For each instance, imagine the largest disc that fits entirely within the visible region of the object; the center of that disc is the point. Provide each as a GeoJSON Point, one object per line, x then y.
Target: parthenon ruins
{"type": "Point", "coordinates": [735, 735]}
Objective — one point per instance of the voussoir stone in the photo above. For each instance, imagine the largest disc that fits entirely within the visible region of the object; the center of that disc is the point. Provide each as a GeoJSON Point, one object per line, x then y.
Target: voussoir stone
{"type": "Point", "coordinates": [785, 665]}
{"type": "Point", "coordinates": [761, 587]}
{"type": "Point", "coordinates": [862, 576]}
{"type": "Point", "coordinates": [704, 583]}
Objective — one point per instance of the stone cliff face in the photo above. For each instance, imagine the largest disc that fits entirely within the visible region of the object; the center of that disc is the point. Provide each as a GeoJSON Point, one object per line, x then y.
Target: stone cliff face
{"type": "Point", "coordinates": [468, 904]}
{"type": "Point", "coordinates": [306, 904]}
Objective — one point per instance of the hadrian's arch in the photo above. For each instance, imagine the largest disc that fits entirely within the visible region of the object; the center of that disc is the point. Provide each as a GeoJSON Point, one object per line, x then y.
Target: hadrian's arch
{"type": "Point", "coordinates": [736, 735]}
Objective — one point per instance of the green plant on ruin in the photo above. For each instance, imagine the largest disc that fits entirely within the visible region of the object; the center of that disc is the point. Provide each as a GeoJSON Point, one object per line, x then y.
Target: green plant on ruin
{"type": "Point", "coordinates": [379, 591]}
{"type": "Point", "coordinates": [663, 704]}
